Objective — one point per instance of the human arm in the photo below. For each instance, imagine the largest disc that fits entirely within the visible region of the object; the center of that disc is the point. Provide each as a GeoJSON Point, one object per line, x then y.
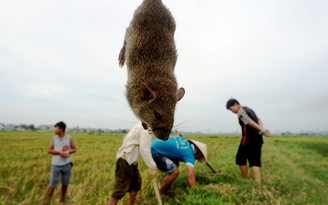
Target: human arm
{"type": "Point", "coordinates": [243, 116]}
{"type": "Point", "coordinates": [52, 151]}
{"type": "Point", "coordinates": [260, 123]}
{"type": "Point", "coordinates": [259, 127]}
{"type": "Point", "coordinates": [254, 125]}
{"type": "Point", "coordinates": [264, 131]}
{"type": "Point", "coordinates": [145, 152]}
{"type": "Point", "coordinates": [73, 147]}
{"type": "Point", "coordinates": [191, 175]}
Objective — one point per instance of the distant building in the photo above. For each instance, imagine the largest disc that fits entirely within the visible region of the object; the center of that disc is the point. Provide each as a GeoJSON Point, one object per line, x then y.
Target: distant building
{"type": "Point", "coordinates": [10, 127]}
{"type": "Point", "coordinates": [45, 127]}
{"type": "Point", "coordinates": [20, 129]}
{"type": "Point", "coordinates": [2, 127]}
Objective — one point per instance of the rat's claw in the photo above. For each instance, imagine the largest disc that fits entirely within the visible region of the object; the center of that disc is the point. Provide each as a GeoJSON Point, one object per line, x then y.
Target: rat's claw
{"type": "Point", "coordinates": [121, 63]}
{"type": "Point", "coordinates": [121, 58]}
{"type": "Point", "coordinates": [144, 125]}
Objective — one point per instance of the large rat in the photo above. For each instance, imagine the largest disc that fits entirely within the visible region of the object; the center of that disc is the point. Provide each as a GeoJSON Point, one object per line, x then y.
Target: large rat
{"type": "Point", "coordinates": [150, 54]}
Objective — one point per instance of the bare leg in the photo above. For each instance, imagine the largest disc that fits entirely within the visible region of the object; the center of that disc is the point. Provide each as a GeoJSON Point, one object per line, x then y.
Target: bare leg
{"type": "Point", "coordinates": [112, 201]}
{"type": "Point", "coordinates": [256, 174]}
{"type": "Point", "coordinates": [244, 171]}
{"type": "Point", "coordinates": [63, 193]}
{"type": "Point", "coordinates": [168, 180]}
{"type": "Point", "coordinates": [51, 191]}
{"type": "Point", "coordinates": [132, 197]}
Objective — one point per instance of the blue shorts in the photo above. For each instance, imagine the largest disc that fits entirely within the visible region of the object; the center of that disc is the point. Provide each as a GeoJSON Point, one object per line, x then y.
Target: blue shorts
{"type": "Point", "coordinates": [165, 164]}
{"type": "Point", "coordinates": [64, 171]}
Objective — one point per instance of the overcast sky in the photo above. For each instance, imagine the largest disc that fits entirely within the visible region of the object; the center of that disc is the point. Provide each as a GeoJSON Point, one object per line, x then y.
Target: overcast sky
{"type": "Point", "coordinates": [58, 61]}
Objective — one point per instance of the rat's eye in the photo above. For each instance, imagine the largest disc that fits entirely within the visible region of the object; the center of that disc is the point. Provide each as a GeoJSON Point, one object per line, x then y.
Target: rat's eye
{"type": "Point", "coordinates": [158, 116]}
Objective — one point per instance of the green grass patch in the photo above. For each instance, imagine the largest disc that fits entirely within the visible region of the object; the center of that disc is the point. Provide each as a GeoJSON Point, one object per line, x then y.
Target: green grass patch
{"type": "Point", "coordinates": [318, 147]}
{"type": "Point", "coordinates": [294, 171]}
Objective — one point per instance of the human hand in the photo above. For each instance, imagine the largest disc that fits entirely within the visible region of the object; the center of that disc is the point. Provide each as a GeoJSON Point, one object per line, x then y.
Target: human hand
{"type": "Point", "coordinates": [64, 154]}
{"type": "Point", "coordinates": [178, 133]}
{"type": "Point", "coordinates": [152, 172]}
{"type": "Point", "coordinates": [265, 132]}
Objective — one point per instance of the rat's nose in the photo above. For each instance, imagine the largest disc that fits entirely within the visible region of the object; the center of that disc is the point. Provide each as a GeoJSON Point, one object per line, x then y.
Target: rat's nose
{"type": "Point", "coordinates": [162, 134]}
{"type": "Point", "coordinates": [164, 138]}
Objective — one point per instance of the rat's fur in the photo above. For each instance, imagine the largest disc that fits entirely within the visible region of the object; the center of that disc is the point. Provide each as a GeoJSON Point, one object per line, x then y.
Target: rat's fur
{"type": "Point", "coordinates": [150, 53]}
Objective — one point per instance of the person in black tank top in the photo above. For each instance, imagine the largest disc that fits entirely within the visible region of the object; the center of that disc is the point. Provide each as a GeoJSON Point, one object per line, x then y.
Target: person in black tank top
{"type": "Point", "coordinates": [251, 141]}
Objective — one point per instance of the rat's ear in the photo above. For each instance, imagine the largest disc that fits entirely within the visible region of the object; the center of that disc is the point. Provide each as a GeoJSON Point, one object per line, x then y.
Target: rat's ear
{"type": "Point", "coordinates": [148, 93]}
{"type": "Point", "coordinates": [180, 93]}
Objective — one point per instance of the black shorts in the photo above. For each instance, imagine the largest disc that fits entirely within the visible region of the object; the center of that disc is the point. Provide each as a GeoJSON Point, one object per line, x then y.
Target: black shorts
{"type": "Point", "coordinates": [250, 153]}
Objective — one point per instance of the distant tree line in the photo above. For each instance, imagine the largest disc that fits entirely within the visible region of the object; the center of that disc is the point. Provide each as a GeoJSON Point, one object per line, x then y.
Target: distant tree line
{"type": "Point", "coordinates": [50, 128]}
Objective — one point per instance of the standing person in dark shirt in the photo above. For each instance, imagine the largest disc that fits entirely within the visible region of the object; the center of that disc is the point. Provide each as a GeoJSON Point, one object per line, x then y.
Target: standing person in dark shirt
{"type": "Point", "coordinates": [251, 142]}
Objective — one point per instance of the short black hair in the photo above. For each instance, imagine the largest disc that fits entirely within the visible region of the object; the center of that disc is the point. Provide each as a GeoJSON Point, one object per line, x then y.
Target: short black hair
{"type": "Point", "coordinates": [231, 102]}
{"type": "Point", "coordinates": [61, 125]}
